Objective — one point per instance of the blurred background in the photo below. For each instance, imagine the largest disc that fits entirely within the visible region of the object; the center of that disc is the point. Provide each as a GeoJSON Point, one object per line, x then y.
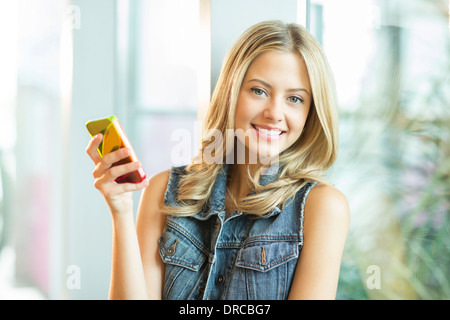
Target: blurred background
{"type": "Point", "coordinates": [154, 64]}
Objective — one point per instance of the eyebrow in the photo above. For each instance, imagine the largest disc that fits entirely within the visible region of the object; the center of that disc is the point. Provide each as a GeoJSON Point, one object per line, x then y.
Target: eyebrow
{"type": "Point", "coordinates": [270, 86]}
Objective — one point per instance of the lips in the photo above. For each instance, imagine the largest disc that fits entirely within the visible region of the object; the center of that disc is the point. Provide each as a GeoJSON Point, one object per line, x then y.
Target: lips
{"type": "Point", "coordinates": [267, 132]}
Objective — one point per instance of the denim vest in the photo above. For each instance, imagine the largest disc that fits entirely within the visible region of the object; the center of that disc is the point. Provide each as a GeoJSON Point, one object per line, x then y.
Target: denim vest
{"type": "Point", "coordinates": [211, 257]}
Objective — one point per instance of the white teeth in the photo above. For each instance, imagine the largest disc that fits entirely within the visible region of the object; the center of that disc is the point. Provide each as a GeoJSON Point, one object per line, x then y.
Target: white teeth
{"type": "Point", "coordinates": [269, 132]}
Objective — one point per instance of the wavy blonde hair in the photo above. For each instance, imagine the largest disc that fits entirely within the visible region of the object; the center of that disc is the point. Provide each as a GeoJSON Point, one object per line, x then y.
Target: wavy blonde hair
{"type": "Point", "coordinates": [306, 160]}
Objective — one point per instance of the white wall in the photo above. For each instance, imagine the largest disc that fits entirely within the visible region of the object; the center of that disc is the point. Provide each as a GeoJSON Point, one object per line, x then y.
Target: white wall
{"type": "Point", "coordinates": [89, 221]}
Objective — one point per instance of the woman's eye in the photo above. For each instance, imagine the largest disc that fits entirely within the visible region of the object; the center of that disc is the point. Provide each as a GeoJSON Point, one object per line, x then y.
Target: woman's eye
{"type": "Point", "coordinates": [295, 99]}
{"type": "Point", "coordinates": [258, 92]}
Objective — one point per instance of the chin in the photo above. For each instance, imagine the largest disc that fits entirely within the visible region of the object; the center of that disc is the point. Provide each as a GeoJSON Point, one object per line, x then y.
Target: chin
{"type": "Point", "coordinates": [259, 154]}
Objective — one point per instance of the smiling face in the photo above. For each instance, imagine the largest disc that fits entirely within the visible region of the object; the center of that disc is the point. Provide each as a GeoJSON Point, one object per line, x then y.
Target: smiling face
{"type": "Point", "coordinates": [273, 103]}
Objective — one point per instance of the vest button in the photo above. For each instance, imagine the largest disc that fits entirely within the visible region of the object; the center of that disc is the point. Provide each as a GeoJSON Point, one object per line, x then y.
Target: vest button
{"type": "Point", "coordinates": [170, 251]}
{"type": "Point", "coordinates": [221, 279]}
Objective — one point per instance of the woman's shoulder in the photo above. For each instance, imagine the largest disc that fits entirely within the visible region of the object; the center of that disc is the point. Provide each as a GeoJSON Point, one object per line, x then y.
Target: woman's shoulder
{"type": "Point", "coordinates": [161, 180]}
{"type": "Point", "coordinates": [327, 202]}
{"type": "Point", "coordinates": [324, 190]}
{"type": "Point", "coordinates": [153, 194]}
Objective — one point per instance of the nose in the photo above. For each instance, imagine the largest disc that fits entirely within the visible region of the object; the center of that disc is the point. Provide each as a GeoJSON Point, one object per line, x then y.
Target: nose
{"type": "Point", "coordinates": [273, 111]}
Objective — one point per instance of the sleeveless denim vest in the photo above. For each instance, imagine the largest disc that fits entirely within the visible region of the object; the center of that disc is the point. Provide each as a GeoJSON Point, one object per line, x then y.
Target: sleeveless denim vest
{"type": "Point", "coordinates": [211, 257]}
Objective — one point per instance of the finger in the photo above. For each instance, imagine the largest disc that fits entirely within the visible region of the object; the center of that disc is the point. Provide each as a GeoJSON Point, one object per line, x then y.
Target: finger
{"type": "Point", "coordinates": [123, 169]}
{"type": "Point", "coordinates": [92, 148]}
{"type": "Point", "coordinates": [129, 187]}
{"type": "Point", "coordinates": [108, 160]}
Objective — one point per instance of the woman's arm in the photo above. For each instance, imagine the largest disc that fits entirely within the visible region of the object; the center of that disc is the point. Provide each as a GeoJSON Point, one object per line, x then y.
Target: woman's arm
{"type": "Point", "coordinates": [149, 225]}
{"type": "Point", "coordinates": [137, 268]}
{"type": "Point", "coordinates": [127, 274]}
{"type": "Point", "coordinates": [128, 280]}
{"type": "Point", "coordinates": [327, 218]}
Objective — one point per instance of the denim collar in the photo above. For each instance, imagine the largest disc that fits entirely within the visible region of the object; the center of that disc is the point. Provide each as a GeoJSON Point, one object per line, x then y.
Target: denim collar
{"type": "Point", "coordinates": [217, 198]}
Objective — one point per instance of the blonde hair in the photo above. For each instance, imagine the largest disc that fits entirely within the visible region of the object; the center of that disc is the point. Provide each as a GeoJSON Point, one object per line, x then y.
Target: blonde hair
{"type": "Point", "coordinates": [306, 160]}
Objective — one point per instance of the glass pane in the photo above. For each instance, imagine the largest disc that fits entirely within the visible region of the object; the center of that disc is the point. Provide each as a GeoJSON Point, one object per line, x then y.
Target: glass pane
{"type": "Point", "coordinates": [346, 29]}
{"type": "Point", "coordinates": [391, 62]}
{"type": "Point", "coordinates": [167, 54]}
{"type": "Point", "coordinates": [163, 141]}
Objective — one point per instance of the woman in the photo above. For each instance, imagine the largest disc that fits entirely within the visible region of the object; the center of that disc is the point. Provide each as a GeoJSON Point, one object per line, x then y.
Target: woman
{"type": "Point", "coordinates": [251, 217]}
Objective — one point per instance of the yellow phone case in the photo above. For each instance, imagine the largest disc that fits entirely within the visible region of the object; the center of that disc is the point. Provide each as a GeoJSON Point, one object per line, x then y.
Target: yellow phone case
{"type": "Point", "coordinates": [114, 138]}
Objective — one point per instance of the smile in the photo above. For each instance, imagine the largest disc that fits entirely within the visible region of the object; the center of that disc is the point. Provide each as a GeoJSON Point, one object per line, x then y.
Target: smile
{"type": "Point", "coordinates": [268, 133]}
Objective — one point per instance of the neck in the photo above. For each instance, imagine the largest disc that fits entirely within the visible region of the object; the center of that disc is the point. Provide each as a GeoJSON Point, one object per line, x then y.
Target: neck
{"type": "Point", "coordinates": [238, 179]}
{"type": "Point", "coordinates": [239, 184]}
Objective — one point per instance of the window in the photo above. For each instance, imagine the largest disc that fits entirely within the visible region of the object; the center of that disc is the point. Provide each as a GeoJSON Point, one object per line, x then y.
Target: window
{"type": "Point", "coordinates": [391, 60]}
{"type": "Point", "coordinates": [166, 66]}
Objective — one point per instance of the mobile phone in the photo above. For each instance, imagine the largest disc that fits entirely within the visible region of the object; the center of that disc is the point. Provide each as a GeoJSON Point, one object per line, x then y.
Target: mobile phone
{"type": "Point", "coordinates": [114, 138]}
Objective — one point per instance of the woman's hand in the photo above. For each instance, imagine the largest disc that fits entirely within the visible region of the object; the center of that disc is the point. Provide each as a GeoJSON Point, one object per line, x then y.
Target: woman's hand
{"type": "Point", "coordinates": [118, 196]}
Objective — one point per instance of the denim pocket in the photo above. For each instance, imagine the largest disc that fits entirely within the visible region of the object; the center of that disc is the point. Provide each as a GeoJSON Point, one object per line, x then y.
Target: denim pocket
{"type": "Point", "coordinates": [183, 258]}
{"type": "Point", "coordinates": [263, 255]}
{"type": "Point", "coordinates": [175, 248]}
{"type": "Point", "coordinates": [267, 268]}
